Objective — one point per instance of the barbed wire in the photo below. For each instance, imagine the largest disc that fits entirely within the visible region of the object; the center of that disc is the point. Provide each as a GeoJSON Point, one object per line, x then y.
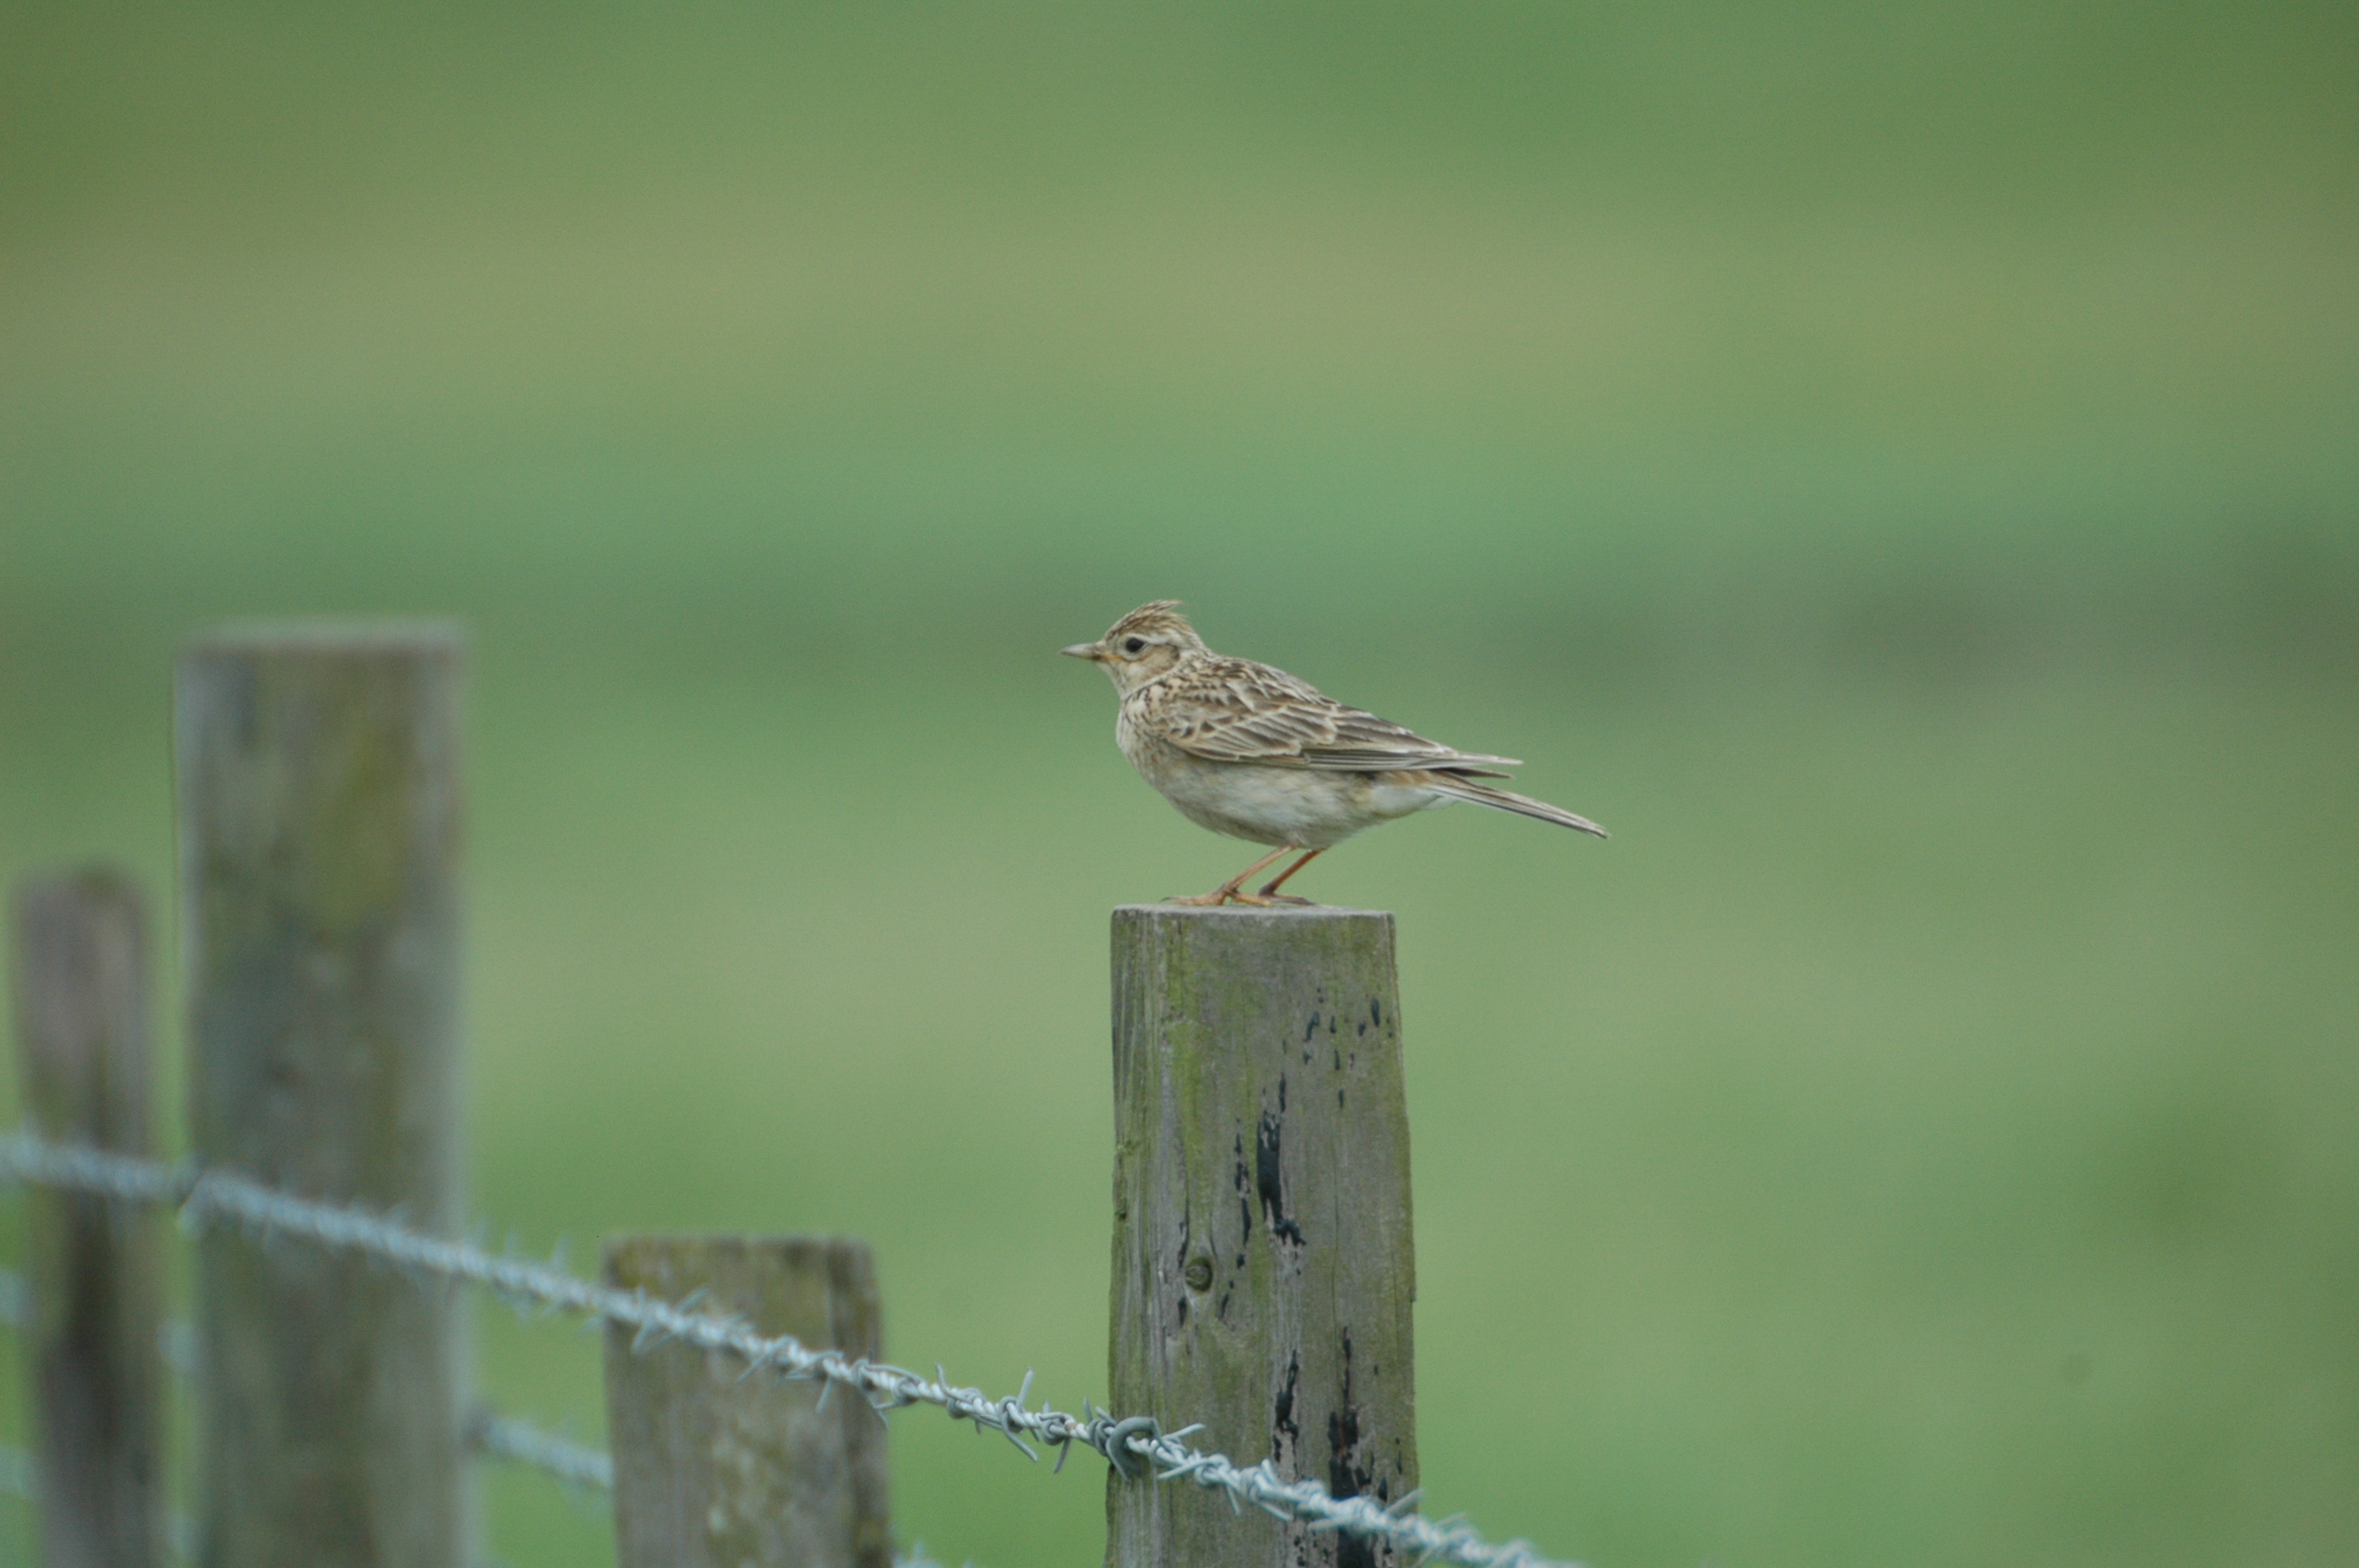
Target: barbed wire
{"type": "Point", "coordinates": [489, 1434]}
{"type": "Point", "coordinates": [576, 1465]}
{"type": "Point", "coordinates": [20, 1479]}
{"type": "Point", "coordinates": [488, 1431]}
{"type": "Point", "coordinates": [1136, 1446]}
{"type": "Point", "coordinates": [17, 1477]}
{"type": "Point", "coordinates": [521, 1443]}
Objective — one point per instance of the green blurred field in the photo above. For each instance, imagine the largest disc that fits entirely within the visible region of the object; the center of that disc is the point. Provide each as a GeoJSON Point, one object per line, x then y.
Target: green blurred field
{"type": "Point", "coordinates": [1895, 469]}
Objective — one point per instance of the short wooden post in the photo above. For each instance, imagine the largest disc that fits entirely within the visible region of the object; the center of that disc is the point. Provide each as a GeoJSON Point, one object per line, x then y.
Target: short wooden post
{"type": "Point", "coordinates": [714, 1469]}
{"type": "Point", "coordinates": [320, 804]}
{"type": "Point", "coordinates": [98, 1374]}
{"type": "Point", "coordinates": [1263, 1268]}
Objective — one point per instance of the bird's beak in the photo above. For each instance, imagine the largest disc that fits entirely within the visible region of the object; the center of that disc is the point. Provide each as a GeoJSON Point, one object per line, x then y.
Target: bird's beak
{"type": "Point", "coordinates": [1092, 651]}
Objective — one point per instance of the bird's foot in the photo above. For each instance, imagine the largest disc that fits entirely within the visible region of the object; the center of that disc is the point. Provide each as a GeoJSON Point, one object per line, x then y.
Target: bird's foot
{"type": "Point", "coordinates": [1270, 894]}
{"type": "Point", "coordinates": [1231, 892]}
{"type": "Point", "coordinates": [1237, 895]}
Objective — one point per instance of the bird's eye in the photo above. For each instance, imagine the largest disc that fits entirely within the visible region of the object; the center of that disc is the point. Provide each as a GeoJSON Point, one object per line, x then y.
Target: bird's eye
{"type": "Point", "coordinates": [1133, 645]}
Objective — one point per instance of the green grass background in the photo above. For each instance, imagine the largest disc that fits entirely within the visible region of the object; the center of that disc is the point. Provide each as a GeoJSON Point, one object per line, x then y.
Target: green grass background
{"type": "Point", "coordinates": [1897, 467]}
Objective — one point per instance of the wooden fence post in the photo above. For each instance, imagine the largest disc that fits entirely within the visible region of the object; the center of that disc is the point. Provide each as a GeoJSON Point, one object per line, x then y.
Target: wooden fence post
{"type": "Point", "coordinates": [714, 1469]}
{"type": "Point", "coordinates": [320, 806]}
{"type": "Point", "coordinates": [1263, 1269]}
{"type": "Point", "coordinates": [95, 1266]}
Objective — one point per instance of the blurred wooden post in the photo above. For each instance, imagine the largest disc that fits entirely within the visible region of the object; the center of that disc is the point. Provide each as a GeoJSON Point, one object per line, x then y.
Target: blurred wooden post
{"type": "Point", "coordinates": [1263, 1271]}
{"type": "Point", "coordinates": [320, 804]}
{"type": "Point", "coordinates": [98, 1373]}
{"type": "Point", "coordinates": [714, 1469]}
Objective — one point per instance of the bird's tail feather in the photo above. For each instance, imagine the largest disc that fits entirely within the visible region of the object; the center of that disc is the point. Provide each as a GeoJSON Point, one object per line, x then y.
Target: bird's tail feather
{"type": "Point", "coordinates": [1508, 800]}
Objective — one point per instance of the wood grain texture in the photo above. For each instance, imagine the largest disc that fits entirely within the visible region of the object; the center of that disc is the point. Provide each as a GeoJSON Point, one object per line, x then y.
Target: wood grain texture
{"type": "Point", "coordinates": [1264, 1268]}
{"type": "Point", "coordinates": [96, 1268]}
{"type": "Point", "coordinates": [320, 810]}
{"type": "Point", "coordinates": [714, 1469]}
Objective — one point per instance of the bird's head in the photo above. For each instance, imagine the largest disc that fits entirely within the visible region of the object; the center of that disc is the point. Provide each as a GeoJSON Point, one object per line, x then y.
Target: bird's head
{"type": "Point", "coordinates": [1150, 641]}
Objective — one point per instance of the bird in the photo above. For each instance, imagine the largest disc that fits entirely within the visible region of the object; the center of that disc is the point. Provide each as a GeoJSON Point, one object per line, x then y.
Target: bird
{"type": "Point", "coordinates": [1251, 752]}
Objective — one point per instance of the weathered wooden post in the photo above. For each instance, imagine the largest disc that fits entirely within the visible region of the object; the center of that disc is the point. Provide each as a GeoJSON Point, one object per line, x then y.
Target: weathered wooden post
{"type": "Point", "coordinates": [319, 806]}
{"type": "Point", "coordinates": [714, 1469]}
{"type": "Point", "coordinates": [95, 1266]}
{"type": "Point", "coordinates": [1263, 1268]}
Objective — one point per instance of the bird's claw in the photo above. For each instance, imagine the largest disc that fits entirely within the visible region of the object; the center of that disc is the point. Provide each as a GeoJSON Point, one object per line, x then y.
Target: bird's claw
{"type": "Point", "coordinates": [1238, 895]}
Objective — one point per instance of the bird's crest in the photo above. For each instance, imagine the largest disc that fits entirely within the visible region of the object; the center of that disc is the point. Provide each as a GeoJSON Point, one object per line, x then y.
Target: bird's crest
{"type": "Point", "coordinates": [1161, 615]}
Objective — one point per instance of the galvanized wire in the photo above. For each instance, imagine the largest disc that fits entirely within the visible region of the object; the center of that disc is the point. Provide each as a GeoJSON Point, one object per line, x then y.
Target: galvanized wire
{"type": "Point", "coordinates": [16, 1475]}
{"type": "Point", "coordinates": [1136, 1446]}
{"type": "Point", "coordinates": [575, 1466]}
{"type": "Point", "coordinates": [521, 1443]}
{"type": "Point", "coordinates": [19, 1480]}
{"type": "Point", "coordinates": [488, 1431]}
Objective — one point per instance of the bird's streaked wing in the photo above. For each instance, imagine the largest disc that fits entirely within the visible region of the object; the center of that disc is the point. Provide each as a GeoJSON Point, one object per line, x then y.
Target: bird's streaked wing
{"type": "Point", "coordinates": [1234, 710]}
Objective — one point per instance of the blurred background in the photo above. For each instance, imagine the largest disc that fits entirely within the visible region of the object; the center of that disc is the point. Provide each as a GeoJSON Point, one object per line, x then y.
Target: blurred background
{"type": "Point", "coordinates": [1896, 466]}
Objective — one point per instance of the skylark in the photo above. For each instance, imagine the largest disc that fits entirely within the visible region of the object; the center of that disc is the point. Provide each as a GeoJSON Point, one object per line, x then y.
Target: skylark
{"type": "Point", "coordinates": [1251, 752]}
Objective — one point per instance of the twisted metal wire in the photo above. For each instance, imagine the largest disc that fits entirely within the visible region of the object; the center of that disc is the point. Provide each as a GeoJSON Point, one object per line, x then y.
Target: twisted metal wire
{"type": "Point", "coordinates": [489, 1434]}
{"type": "Point", "coordinates": [19, 1482]}
{"type": "Point", "coordinates": [16, 1475]}
{"type": "Point", "coordinates": [20, 1478]}
{"type": "Point", "coordinates": [1136, 1446]}
{"type": "Point", "coordinates": [521, 1443]}
{"type": "Point", "coordinates": [488, 1431]}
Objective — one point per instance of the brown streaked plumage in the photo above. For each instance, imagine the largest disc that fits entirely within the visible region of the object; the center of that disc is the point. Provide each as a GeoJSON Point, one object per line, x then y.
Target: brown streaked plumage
{"type": "Point", "coordinates": [1252, 753]}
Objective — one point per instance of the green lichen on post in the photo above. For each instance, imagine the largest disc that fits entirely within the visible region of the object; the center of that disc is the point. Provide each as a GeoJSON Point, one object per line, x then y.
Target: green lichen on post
{"type": "Point", "coordinates": [96, 1268]}
{"type": "Point", "coordinates": [1263, 1259]}
{"type": "Point", "coordinates": [714, 1469]}
{"type": "Point", "coordinates": [320, 816]}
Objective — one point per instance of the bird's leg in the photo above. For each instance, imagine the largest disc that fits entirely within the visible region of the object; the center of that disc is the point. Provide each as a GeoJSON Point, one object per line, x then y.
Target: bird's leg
{"type": "Point", "coordinates": [1269, 889]}
{"type": "Point", "coordinates": [1227, 892]}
